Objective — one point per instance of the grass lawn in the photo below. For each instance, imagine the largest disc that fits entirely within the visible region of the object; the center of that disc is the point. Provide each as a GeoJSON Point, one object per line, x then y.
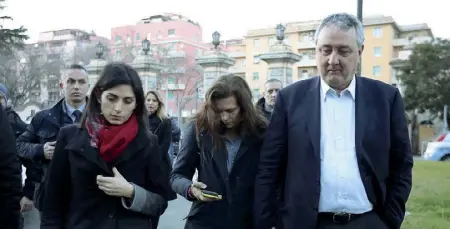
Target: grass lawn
{"type": "Point", "coordinates": [429, 202]}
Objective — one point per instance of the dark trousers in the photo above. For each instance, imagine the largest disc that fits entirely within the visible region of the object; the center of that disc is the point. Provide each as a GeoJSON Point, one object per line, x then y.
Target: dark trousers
{"type": "Point", "coordinates": [368, 220]}
{"type": "Point", "coordinates": [155, 221]}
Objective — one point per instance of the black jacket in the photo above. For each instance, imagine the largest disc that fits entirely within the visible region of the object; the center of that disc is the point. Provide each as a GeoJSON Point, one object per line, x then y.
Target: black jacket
{"type": "Point", "coordinates": [44, 127]}
{"type": "Point", "coordinates": [73, 199]}
{"type": "Point", "coordinates": [260, 107]}
{"type": "Point", "coordinates": [235, 209]}
{"type": "Point", "coordinates": [10, 177]}
{"type": "Point", "coordinates": [18, 126]}
{"type": "Point", "coordinates": [176, 131]}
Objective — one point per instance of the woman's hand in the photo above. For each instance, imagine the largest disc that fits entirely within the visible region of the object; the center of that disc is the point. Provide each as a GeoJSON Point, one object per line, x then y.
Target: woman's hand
{"type": "Point", "coordinates": [115, 186]}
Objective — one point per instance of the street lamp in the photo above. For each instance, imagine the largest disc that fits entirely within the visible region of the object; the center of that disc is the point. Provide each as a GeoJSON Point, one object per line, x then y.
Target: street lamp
{"type": "Point", "coordinates": [359, 12]}
{"type": "Point", "coordinates": [216, 39]}
{"type": "Point", "coordinates": [100, 49]}
{"type": "Point", "coordinates": [280, 32]}
{"type": "Point", "coordinates": [146, 46]}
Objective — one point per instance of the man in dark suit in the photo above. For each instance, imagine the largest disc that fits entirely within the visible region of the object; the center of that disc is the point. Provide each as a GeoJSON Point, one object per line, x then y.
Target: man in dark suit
{"type": "Point", "coordinates": [337, 144]}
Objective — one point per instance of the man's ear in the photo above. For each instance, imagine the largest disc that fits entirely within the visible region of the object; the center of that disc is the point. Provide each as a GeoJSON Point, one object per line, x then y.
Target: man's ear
{"type": "Point", "coordinates": [61, 85]}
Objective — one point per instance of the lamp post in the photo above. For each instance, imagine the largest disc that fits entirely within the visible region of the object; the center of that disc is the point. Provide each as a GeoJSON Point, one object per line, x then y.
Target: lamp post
{"type": "Point", "coordinates": [359, 12]}
{"type": "Point", "coordinates": [216, 39]}
{"type": "Point", "coordinates": [146, 46]}
{"type": "Point", "coordinates": [100, 50]}
{"type": "Point", "coordinates": [280, 32]}
{"type": "Point", "coordinates": [146, 49]}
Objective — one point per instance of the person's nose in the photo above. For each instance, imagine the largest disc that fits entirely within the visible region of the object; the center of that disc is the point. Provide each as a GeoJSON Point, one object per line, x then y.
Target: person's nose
{"type": "Point", "coordinates": [333, 58]}
{"type": "Point", "coordinates": [224, 116]}
{"type": "Point", "coordinates": [118, 107]}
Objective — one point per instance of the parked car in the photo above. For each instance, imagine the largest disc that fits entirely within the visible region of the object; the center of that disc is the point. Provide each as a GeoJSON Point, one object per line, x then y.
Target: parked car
{"type": "Point", "coordinates": [439, 150]}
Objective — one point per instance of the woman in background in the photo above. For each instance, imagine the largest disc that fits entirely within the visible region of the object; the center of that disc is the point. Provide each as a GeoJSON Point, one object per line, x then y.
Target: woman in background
{"type": "Point", "coordinates": [107, 172]}
{"type": "Point", "coordinates": [161, 126]}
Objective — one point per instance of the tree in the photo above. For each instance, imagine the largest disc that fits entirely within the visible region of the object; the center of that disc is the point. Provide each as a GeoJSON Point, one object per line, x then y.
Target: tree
{"type": "Point", "coordinates": [21, 72]}
{"type": "Point", "coordinates": [182, 72]}
{"type": "Point", "coordinates": [10, 39]}
{"type": "Point", "coordinates": [426, 79]}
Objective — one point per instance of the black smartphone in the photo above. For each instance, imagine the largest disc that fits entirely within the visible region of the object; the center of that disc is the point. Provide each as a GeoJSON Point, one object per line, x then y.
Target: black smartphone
{"type": "Point", "coordinates": [212, 195]}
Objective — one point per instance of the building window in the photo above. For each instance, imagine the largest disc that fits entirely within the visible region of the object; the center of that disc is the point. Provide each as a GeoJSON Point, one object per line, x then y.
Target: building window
{"type": "Point", "coordinates": [256, 93]}
{"type": "Point", "coordinates": [171, 95]}
{"type": "Point", "coordinates": [255, 75]}
{"type": "Point", "coordinates": [377, 32]}
{"type": "Point", "coordinates": [286, 40]}
{"type": "Point", "coordinates": [138, 36]}
{"type": "Point", "coordinates": [303, 74]}
{"type": "Point", "coordinates": [118, 39]}
{"type": "Point", "coordinates": [244, 63]}
{"type": "Point", "coordinates": [256, 43]}
{"type": "Point", "coordinates": [376, 70]}
{"type": "Point", "coordinates": [272, 41]}
{"type": "Point", "coordinates": [377, 51]}
{"type": "Point", "coordinates": [171, 32]}
{"type": "Point", "coordinates": [256, 59]}
{"type": "Point", "coordinates": [310, 54]}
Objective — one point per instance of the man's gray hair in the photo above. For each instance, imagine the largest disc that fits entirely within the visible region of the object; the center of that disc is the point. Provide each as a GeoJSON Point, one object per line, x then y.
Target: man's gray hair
{"type": "Point", "coordinates": [345, 22]}
{"type": "Point", "coordinates": [273, 80]}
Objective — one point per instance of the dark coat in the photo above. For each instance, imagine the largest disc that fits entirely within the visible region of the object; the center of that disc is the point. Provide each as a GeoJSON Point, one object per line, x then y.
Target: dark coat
{"type": "Point", "coordinates": [260, 106]}
{"type": "Point", "coordinates": [18, 126]}
{"type": "Point", "coordinates": [73, 199]}
{"type": "Point", "coordinates": [10, 177]}
{"type": "Point", "coordinates": [292, 150]}
{"type": "Point", "coordinates": [235, 209]}
{"type": "Point", "coordinates": [162, 129]}
{"type": "Point", "coordinates": [44, 127]}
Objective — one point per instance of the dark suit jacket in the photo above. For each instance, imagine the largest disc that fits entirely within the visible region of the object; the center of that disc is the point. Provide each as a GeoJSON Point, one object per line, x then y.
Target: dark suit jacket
{"type": "Point", "coordinates": [292, 150]}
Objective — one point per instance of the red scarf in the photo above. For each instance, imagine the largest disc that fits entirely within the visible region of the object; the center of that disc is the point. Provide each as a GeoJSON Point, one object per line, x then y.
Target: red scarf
{"type": "Point", "coordinates": [111, 140]}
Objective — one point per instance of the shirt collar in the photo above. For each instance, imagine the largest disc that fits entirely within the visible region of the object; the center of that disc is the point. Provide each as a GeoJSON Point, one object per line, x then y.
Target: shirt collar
{"type": "Point", "coordinates": [324, 88]}
{"type": "Point", "coordinates": [70, 109]}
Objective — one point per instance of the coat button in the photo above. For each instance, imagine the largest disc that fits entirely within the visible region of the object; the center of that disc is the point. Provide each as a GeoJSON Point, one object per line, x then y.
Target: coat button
{"type": "Point", "coordinates": [111, 215]}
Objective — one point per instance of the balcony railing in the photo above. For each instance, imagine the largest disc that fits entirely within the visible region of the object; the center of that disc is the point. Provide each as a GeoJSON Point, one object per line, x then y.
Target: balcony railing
{"type": "Point", "coordinates": [234, 69]}
{"type": "Point", "coordinates": [411, 41]}
{"type": "Point", "coordinates": [236, 54]}
{"type": "Point", "coordinates": [306, 44]}
{"type": "Point", "coordinates": [175, 54]}
{"type": "Point", "coordinates": [306, 62]}
{"type": "Point", "coordinates": [173, 86]}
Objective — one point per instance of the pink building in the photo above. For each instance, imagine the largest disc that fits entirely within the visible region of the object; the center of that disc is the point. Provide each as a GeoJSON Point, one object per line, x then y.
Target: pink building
{"type": "Point", "coordinates": [176, 41]}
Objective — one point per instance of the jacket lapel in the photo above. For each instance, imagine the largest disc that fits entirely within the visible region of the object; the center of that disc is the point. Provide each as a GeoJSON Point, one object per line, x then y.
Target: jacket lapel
{"type": "Point", "coordinates": [363, 113]}
{"type": "Point", "coordinates": [82, 146]}
{"type": "Point", "coordinates": [313, 103]}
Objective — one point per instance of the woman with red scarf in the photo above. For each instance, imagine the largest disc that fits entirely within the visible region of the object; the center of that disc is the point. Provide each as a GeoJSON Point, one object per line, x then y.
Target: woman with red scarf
{"type": "Point", "coordinates": [107, 172]}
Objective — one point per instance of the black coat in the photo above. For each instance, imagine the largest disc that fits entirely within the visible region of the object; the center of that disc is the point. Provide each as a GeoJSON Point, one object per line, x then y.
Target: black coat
{"type": "Point", "coordinates": [10, 176]}
{"type": "Point", "coordinates": [235, 209]}
{"type": "Point", "coordinates": [73, 199]}
{"type": "Point", "coordinates": [44, 127]}
{"type": "Point", "coordinates": [163, 130]}
{"type": "Point", "coordinates": [18, 126]}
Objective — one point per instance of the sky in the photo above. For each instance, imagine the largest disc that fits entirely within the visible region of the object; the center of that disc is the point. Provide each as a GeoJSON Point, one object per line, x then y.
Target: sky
{"type": "Point", "coordinates": [232, 18]}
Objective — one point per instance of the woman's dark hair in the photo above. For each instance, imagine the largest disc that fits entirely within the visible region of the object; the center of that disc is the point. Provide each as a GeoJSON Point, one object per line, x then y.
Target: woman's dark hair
{"type": "Point", "coordinates": [208, 120]}
{"type": "Point", "coordinates": [112, 75]}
